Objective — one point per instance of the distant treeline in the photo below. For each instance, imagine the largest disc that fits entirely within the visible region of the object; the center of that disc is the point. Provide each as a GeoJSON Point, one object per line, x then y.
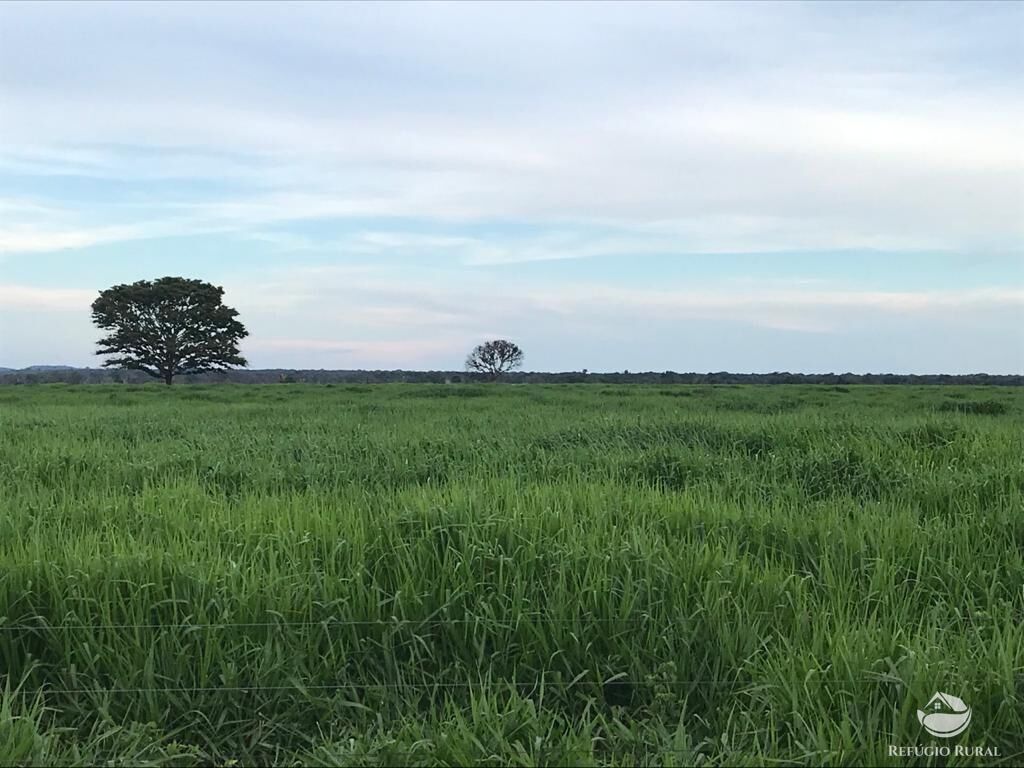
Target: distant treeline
{"type": "Point", "coordinates": [279, 376]}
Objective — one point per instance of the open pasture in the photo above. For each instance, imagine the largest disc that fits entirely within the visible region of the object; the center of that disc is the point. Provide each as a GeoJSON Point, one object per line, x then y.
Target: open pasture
{"type": "Point", "coordinates": [522, 575]}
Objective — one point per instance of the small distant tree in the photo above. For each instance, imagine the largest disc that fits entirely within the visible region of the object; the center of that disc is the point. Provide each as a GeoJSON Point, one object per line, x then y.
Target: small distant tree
{"type": "Point", "coordinates": [495, 358]}
{"type": "Point", "coordinates": [168, 327]}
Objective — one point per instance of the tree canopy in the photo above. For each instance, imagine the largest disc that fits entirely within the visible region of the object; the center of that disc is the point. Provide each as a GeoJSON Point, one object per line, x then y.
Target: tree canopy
{"type": "Point", "coordinates": [495, 358]}
{"type": "Point", "coordinates": [167, 327]}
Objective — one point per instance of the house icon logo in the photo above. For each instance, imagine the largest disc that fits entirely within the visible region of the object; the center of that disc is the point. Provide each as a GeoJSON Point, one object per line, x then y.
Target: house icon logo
{"type": "Point", "coordinates": [945, 716]}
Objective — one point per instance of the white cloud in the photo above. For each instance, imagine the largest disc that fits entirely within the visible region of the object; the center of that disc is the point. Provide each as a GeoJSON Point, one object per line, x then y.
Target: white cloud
{"type": "Point", "coordinates": [33, 240]}
{"type": "Point", "coordinates": [811, 139]}
{"type": "Point", "coordinates": [375, 301]}
{"type": "Point", "coordinates": [413, 352]}
{"type": "Point", "coordinates": [22, 297]}
{"type": "Point", "coordinates": [768, 306]}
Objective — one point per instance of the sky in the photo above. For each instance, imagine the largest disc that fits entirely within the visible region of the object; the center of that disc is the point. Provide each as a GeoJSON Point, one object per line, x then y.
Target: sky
{"type": "Point", "coordinates": [748, 187]}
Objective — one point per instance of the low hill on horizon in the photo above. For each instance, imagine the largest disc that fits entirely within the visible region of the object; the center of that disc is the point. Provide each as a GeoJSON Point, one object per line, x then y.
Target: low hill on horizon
{"type": "Point", "coordinates": [49, 374]}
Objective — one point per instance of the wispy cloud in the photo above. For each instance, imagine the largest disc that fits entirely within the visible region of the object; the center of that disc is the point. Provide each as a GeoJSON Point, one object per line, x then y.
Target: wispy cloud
{"type": "Point", "coordinates": [23, 297]}
{"type": "Point", "coordinates": [372, 300]}
{"type": "Point", "coordinates": [363, 352]}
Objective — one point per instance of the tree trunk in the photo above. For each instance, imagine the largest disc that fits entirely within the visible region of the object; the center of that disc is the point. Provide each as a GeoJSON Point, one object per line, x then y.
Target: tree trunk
{"type": "Point", "coordinates": [169, 378]}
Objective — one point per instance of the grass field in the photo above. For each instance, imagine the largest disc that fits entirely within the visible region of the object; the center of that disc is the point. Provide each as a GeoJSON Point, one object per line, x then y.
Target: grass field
{"type": "Point", "coordinates": [522, 575]}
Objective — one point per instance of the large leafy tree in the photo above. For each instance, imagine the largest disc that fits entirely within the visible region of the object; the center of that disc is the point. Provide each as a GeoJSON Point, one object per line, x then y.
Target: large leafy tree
{"type": "Point", "coordinates": [495, 358]}
{"type": "Point", "coordinates": [168, 327]}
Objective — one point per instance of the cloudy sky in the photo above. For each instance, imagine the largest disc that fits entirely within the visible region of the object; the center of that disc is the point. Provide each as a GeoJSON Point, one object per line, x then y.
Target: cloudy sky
{"type": "Point", "coordinates": [701, 186]}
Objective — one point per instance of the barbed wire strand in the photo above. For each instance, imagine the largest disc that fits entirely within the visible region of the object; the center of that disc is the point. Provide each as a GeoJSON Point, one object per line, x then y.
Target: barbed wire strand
{"type": "Point", "coordinates": [535, 619]}
{"type": "Point", "coordinates": [301, 687]}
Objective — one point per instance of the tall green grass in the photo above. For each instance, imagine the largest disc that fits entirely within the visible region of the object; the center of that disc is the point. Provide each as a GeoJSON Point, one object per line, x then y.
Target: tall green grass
{"type": "Point", "coordinates": [507, 575]}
